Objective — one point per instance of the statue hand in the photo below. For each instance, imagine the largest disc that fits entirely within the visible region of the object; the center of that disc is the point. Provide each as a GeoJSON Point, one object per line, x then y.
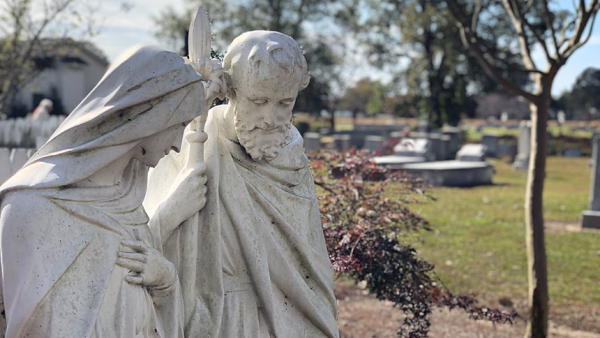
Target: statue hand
{"type": "Point", "coordinates": [148, 267]}
{"type": "Point", "coordinates": [213, 80]}
{"type": "Point", "coordinates": [186, 198]}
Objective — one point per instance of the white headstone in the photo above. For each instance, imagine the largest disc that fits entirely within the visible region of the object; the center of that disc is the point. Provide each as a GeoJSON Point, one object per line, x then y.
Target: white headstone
{"type": "Point", "coordinates": [523, 147]}
{"type": "Point", "coordinates": [472, 153]}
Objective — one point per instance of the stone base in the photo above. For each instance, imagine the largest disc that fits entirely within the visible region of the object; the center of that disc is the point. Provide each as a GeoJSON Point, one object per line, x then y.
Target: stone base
{"type": "Point", "coordinates": [452, 173]}
{"type": "Point", "coordinates": [521, 163]}
{"type": "Point", "coordinates": [590, 219]}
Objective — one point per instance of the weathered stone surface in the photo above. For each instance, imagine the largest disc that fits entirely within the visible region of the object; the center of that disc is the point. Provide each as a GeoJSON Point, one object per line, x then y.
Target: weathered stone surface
{"type": "Point", "coordinates": [261, 251]}
{"type": "Point", "coordinates": [78, 256]}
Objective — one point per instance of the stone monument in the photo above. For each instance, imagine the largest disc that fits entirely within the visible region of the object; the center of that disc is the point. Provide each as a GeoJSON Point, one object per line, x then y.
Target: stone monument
{"type": "Point", "coordinates": [260, 267]}
{"type": "Point", "coordinates": [523, 147]}
{"type": "Point", "coordinates": [591, 217]}
{"type": "Point", "coordinates": [77, 254]}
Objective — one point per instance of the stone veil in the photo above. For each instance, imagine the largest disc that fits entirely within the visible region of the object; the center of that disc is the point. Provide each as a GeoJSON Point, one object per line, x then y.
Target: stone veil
{"type": "Point", "coordinates": [59, 238]}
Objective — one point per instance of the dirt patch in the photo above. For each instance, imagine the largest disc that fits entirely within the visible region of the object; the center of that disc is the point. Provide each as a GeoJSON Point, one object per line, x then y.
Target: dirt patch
{"type": "Point", "coordinates": [363, 316]}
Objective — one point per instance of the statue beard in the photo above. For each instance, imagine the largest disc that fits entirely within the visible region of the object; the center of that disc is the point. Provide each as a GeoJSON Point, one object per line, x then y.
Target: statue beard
{"type": "Point", "coordinates": [261, 143]}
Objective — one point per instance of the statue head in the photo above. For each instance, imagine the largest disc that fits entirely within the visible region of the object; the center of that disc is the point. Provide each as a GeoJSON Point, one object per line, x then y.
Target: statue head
{"type": "Point", "coordinates": [264, 72]}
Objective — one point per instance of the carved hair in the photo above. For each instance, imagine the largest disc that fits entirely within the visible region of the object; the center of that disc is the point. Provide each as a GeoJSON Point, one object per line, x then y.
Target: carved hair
{"type": "Point", "coordinates": [262, 53]}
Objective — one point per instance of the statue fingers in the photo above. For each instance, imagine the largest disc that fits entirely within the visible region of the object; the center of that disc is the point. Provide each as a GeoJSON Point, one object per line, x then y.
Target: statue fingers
{"type": "Point", "coordinates": [133, 256]}
{"type": "Point", "coordinates": [203, 180]}
{"type": "Point", "coordinates": [138, 246]}
{"type": "Point", "coordinates": [134, 279]}
{"type": "Point", "coordinates": [132, 265]}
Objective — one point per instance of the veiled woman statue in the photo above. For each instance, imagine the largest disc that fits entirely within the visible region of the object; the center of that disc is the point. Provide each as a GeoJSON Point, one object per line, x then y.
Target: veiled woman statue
{"type": "Point", "coordinates": [77, 256]}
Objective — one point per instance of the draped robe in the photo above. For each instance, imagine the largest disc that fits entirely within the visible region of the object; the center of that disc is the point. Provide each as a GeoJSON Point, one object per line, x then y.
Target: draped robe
{"type": "Point", "coordinates": [64, 281]}
{"type": "Point", "coordinates": [59, 236]}
{"type": "Point", "coordinates": [263, 268]}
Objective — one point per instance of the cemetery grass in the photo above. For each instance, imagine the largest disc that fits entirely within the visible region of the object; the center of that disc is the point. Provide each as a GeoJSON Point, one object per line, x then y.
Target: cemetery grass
{"type": "Point", "coordinates": [477, 242]}
{"type": "Point", "coordinates": [472, 135]}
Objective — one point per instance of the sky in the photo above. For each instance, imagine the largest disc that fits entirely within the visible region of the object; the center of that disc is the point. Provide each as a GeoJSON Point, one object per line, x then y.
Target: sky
{"type": "Point", "coordinates": [121, 29]}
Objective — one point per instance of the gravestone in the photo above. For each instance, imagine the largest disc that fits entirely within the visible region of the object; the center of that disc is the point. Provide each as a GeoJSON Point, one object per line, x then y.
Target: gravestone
{"type": "Point", "coordinates": [591, 217]}
{"type": "Point", "coordinates": [374, 142]}
{"type": "Point", "coordinates": [491, 144]}
{"type": "Point", "coordinates": [312, 142]}
{"type": "Point", "coordinates": [341, 142]}
{"type": "Point", "coordinates": [422, 126]}
{"type": "Point", "coordinates": [472, 153]}
{"type": "Point", "coordinates": [410, 147]}
{"type": "Point", "coordinates": [572, 152]}
{"type": "Point", "coordinates": [523, 147]}
{"type": "Point", "coordinates": [454, 146]}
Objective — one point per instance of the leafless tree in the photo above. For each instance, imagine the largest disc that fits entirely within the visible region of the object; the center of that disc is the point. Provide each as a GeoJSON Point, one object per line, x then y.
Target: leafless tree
{"type": "Point", "coordinates": [29, 30]}
{"type": "Point", "coordinates": [559, 34]}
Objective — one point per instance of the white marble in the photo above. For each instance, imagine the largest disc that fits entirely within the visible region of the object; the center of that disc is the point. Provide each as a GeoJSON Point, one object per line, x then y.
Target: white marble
{"type": "Point", "coordinates": [254, 259]}
{"type": "Point", "coordinates": [472, 153]}
{"type": "Point", "coordinates": [77, 254]}
{"type": "Point", "coordinates": [396, 162]}
{"type": "Point", "coordinates": [415, 147]}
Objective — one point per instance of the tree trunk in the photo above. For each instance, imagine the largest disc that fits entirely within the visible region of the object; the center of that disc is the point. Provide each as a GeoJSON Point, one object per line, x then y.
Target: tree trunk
{"type": "Point", "coordinates": [537, 326]}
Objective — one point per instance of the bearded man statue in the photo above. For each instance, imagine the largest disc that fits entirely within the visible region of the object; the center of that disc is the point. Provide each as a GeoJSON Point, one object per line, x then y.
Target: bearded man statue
{"type": "Point", "coordinates": [263, 269]}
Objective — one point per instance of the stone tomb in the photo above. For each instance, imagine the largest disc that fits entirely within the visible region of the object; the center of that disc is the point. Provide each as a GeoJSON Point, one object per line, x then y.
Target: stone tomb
{"type": "Point", "coordinates": [452, 173]}
{"type": "Point", "coordinates": [397, 162]}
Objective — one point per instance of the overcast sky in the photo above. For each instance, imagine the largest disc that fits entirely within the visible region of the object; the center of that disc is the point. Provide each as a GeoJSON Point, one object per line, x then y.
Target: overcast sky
{"type": "Point", "coordinates": [121, 29]}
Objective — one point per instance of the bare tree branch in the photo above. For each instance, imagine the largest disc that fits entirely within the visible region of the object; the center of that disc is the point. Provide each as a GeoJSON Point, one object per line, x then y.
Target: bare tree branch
{"type": "Point", "coordinates": [574, 42]}
{"type": "Point", "coordinates": [471, 41]}
{"type": "Point", "coordinates": [512, 8]}
{"type": "Point", "coordinates": [476, 12]}
{"type": "Point", "coordinates": [581, 43]}
{"type": "Point", "coordinates": [549, 22]}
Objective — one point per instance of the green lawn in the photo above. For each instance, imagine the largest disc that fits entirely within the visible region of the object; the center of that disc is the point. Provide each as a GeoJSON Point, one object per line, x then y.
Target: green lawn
{"type": "Point", "coordinates": [478, 240]}
{"type": "Point", "coordinates": [473, 135]}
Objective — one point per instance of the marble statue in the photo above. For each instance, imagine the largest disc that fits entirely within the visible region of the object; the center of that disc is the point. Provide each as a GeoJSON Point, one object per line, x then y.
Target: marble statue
{"type": "Point", "coordinates": [77, 256]}
{"type": "Point", "coordinates": [260, 266]}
